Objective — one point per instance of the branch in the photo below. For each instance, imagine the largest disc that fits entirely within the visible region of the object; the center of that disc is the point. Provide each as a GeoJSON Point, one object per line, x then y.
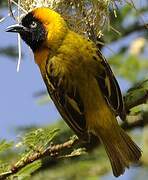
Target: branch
{"type": "Point", "coordinates": [139, 123]}
{"type": "Point", "coordinates": [142, 100]}
{"type": "Point", "coordinates": [136, 95]}
{"type": "Point", "coordinates": [134, 28]}
{"type": "Point", "coordinates": [122, 33]}
{"type": "Point", "coordinates": [125, 32]}
{"type": "Point", "coordinates": [52, 151]}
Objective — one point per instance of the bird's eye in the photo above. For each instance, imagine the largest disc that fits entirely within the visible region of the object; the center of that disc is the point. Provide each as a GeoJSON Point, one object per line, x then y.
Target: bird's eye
{"type": "Point", "coordinates": [33, 25]}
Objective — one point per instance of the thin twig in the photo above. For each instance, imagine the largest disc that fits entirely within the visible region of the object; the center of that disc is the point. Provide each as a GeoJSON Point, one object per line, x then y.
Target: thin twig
{"type": "Point", "coordinates": [10, 10]}
{"type": "Point", "coordinates": [141, 17]}
{"type": "Point", "coordinates": [15, 3]}
{"type": "Point", "coordinates": [4, 175]}
{"type": "Point", "coordinates": [51, 151]}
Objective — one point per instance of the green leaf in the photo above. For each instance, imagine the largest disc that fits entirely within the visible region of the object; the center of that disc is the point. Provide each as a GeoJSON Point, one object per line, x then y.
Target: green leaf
{"type": "Point", "coordinates": [37, 140]}
{"type": "Point", "coordinates": [5, 145]}
{"type": "Point", "coordinates": [28, 170]}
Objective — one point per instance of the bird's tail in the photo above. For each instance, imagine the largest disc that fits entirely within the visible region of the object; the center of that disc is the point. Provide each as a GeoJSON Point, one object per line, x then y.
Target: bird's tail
{"type": "Point", "coordinates": [120, 149]}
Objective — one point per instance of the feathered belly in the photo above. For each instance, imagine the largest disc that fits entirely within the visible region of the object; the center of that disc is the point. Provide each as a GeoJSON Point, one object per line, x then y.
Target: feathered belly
{"type": "Point", "coordinates": [97, 112]}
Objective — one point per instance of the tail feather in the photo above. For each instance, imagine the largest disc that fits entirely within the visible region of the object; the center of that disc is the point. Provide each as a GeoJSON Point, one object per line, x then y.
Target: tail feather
{"type": "Point", "coordinates": [134, 150]}
{"type": "Point", "coordinates": [121, 150]}
{"type": "Point", "coordinates": [116, 162]}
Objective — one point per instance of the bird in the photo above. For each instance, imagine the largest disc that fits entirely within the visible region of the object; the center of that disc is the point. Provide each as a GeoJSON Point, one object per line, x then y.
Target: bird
{"type": "Point", "coordinates": [80, 82]}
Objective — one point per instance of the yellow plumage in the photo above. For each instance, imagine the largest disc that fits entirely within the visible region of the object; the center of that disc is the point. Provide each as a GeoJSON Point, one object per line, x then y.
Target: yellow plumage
{"type": "Point", "coordinates": [81, 84]}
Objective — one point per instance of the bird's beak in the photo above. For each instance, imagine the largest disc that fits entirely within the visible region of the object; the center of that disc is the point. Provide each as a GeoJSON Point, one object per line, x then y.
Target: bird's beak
{"type": "Point", "coordinates": [17, 28]}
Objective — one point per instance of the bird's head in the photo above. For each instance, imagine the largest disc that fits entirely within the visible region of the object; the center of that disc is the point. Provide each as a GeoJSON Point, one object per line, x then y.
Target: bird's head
{"type": "Point", "coordinates": [41, 27]}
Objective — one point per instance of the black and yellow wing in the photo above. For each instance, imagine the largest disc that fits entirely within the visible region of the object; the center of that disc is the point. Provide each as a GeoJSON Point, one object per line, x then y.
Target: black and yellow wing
{"type": "Point", "coordinates": [110, 88]}
{"type": "Point", "coordinates": [68, 102]}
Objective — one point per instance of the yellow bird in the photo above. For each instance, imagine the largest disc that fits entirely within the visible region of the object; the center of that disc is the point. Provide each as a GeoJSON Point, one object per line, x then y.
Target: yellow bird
{"type": "Point", "coordinates": [80, 83]}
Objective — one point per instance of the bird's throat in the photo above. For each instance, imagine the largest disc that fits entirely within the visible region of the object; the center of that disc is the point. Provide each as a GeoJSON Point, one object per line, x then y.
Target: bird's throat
{"type": "Point", "coordinates": [41, 57]}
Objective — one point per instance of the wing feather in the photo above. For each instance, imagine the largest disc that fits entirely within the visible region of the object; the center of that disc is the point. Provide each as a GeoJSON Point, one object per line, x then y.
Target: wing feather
{"type": "Point", "coordinates": [110, 88]}
{"type": "Point", "coordinates": [68, 103]}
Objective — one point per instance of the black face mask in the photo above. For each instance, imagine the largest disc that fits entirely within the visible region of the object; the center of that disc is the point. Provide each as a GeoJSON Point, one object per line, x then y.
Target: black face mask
{"type": "Point", "coordinates": [31, 31]}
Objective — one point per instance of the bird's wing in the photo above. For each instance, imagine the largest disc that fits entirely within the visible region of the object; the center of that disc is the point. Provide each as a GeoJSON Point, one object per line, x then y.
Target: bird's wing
{"type": "Point", "coordinates": [67, 101]}
{"type": "Point", "coordinates": [110, 88]}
